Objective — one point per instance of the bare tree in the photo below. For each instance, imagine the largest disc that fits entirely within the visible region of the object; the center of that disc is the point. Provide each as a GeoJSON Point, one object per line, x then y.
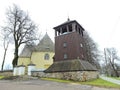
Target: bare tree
{"type": "Point", "coordinates": [110, 57]}
{"type": "Point", "coordinates": [21, 28]}
{"type": "Point", "coordinates": [5, 45]}
{"type": "Point", "coordinates": [105, 66]}
{"type": "Point", "coordinates": [6, 40]}
{"type": "Point", "coordinates": [91, 50]}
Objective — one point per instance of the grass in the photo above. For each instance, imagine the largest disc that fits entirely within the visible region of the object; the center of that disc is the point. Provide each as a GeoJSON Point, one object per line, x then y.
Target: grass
{"type": "Point", "coordinates": [1, 77]}
{"type": "Point", "coordinates": [97, 82]}
{"type": "Point", "coordinates": [101, 83]}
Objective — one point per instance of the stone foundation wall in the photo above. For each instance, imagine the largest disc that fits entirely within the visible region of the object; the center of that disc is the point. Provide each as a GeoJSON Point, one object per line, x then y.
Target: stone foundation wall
{"type": "Point", "coordinates": [76, 76]}
{"type": "Point", "coordinates": [6, 73]}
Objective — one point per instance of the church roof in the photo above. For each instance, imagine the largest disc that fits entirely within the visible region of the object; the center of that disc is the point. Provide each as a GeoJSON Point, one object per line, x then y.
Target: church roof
{"type": "Point", "coordinates": [27, 51]}
{"type": "Point", "coordinates": [71, 65]}
{"type": "Point", "coordinates": [46, 44]}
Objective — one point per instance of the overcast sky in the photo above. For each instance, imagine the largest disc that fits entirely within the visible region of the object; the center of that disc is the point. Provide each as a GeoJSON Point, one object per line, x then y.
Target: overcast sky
{"type": "Point", "coordinates": [101, 18]}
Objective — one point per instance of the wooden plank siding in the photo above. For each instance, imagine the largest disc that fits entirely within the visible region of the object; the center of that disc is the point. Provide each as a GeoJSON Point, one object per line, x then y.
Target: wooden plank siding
{"type": "Point", "coordinates": [73, 48]}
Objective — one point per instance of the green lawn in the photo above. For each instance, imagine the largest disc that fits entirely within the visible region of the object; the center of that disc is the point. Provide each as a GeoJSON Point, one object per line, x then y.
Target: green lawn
{"type": "Point", "coordinates": [1, 77]}
{"type": "Point", "coordinates": [101, 83]}
{"type": "Point", "coordinates": [97, 82]}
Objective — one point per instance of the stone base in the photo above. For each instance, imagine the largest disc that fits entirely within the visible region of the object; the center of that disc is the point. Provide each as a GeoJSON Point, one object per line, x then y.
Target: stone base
{"type": "Point", "coordinates": [6, 73]}
{"type": "Point", "coordinates": [75, 76]}
{"type": "Point", "coordinates": [76, 70]}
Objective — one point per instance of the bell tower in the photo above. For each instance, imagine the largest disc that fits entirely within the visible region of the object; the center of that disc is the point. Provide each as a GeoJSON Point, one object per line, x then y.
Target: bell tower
{"type": "Point", "coordinates": [69, 41]}
{"type": "Point", "coordinates": [70, 55]}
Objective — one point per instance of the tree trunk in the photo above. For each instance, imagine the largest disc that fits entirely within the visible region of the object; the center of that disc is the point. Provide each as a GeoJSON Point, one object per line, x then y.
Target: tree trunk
{"type": "Point", "coordinates": [15, 60]}
{"type": "Point", "coordinates": [116, 73]}
{"type": "Point", "coordinates": [3, 59]}
{"type": "Point", "coordinates": [106, 66]}
{"type": "Point", "coordinates": [5, 51]}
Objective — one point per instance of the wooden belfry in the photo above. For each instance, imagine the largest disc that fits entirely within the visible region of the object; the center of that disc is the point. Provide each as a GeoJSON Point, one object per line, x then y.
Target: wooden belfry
{"type": "Point", "coordinates": [69, 41]}
{"type": "Point", "coordinates": [69, 49]}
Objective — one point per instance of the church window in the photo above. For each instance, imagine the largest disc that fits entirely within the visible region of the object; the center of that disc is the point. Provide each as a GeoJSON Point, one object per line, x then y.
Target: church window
{"type": "Point", "coordinates": [46, 57]}
{"type": "Point", "coordinates": [65, 56]}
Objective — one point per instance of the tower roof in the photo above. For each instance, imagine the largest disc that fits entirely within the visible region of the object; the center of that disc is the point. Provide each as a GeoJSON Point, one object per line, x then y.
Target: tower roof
{"type": "Point", "coordinates": [68, 22]}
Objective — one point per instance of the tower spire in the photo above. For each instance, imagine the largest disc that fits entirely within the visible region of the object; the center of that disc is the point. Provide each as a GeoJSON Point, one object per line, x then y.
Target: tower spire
{"type": "Point", "coordinates": [68, 19]}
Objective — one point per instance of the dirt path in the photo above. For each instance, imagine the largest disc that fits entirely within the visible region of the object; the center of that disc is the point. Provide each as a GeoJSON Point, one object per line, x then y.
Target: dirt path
{"type": "Point", "coordinates": [44, 85]}
{"type": "Point", "coordinates": [110, 80]}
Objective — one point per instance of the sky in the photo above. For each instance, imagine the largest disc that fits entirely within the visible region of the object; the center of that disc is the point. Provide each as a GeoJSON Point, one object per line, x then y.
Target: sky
{"type": "Point", "coordinates": [101, 18]}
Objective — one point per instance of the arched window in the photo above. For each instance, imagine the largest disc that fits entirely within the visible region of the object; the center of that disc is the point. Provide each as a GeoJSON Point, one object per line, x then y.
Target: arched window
{"type": "Point", "coordinates": [46, 57]}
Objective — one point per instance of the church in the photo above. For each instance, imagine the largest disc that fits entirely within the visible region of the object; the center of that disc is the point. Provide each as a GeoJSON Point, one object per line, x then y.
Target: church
{"type": "Point", "coordinates": [70, 53]}
{"type": "Point", "coordinates": [40, 55]}
{"type": "Point", "coordinates": [70, 56]}
{"type": "Point", "coordinates": [69, 60]}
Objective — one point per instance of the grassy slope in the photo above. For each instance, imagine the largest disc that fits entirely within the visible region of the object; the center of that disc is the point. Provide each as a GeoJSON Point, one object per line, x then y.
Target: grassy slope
{"type": "Point", "coordinates": [101, 83]}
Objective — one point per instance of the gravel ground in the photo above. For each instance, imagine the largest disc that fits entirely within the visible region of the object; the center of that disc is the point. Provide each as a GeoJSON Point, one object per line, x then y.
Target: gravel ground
{"type": "Point", "coordinates": [44, 85]}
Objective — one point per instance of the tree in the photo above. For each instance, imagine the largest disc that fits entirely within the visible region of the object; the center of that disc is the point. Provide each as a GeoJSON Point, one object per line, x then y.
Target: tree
{"type": "Point", "coordinates": [110, 58]}
{"type": "Point", "coordinates": [6, 41]}
{"type": "Point", "coordinates": [91, 50]}
{"type": "Point", "coordinates": [5, 45]}
{"type": "Point", "coordinates": [21, 28]}
{"type": "Point", "coordinates": [105, 65]}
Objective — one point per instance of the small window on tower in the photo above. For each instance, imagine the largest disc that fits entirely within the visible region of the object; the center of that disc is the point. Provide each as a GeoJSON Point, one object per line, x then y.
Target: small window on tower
{"type": "Point", "coordinates": [81, 45]}
{"type": "Point", "coordinates": [64, 30]}
{"type": "Point", "coordinates": [70, 27]}
{"type": "Point", "coordinates": [65, 56]}
{"type": "Point", "coordinates": [64, 44]}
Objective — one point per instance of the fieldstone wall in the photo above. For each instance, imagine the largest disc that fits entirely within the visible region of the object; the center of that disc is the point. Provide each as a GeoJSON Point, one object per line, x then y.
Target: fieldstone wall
{"type": "Point", "coordinates": [76, 75]}
{"type": "Point", "coordinates": [6, 73]}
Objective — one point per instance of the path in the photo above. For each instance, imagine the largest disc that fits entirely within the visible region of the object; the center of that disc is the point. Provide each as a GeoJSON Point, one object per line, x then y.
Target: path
{"type": "Point", "coordinates": [110, 80]}
{"type": "Point", "coordinates": [45, 85]}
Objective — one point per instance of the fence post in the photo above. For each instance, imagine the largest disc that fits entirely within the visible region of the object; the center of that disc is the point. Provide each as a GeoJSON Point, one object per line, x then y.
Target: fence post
{"type": "Point", "coordinates": [15, 71]}
{"type": "Point", "coordinates": [31, 67]}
